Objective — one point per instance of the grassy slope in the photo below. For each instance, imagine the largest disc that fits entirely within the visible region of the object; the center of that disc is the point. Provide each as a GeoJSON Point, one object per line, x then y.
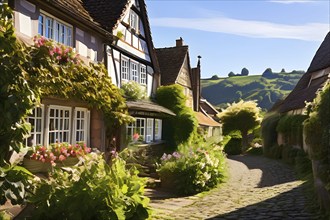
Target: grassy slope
{"type": "Point", "coordinates": [255, 87]}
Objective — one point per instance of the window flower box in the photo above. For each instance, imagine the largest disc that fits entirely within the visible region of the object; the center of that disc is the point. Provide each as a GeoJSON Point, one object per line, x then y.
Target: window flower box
{"type": "Point", "coordinates": [42, 159]}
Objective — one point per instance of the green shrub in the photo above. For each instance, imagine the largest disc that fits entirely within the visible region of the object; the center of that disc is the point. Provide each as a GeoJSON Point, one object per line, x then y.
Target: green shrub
{"type": "Point", "coordinates": [255, 151]}
{"type": "Point", "coordinates": [274, 152]}
{"type": "Point", "coordinates": [192, 170]}
{"type": "Point", "coordinates": [291, 126]}
{"type": "Point", "coordinates": [182, 128]}
{"type": "Point", "coordinates": [289, 154]}
{"type": "Point", "coordinates": [133, 91]}
{"type": "Point", "coordinates": [268, 131]}
{"type": "Point", "coordinates": [93, 190]}
{"type": "Point", "coordinates": [234, 146]}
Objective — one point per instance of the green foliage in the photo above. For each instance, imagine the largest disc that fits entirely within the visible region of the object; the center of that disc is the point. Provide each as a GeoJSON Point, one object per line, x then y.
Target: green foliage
{"type": "Point", "coordinates": [244, 72]}
{"type": "Point", "coordinates": [268, 131]}
{"type": "Point", "coordinates": [15, 185]}
{"type": "Point", "coordinates": [317, 127]}
{"type": "Point", "coordinates": [133, 91]}
{"type": "Point", "coordinates": [93, 190]}
{"type": "Point", "coordinates": [16, 95]}
{"type": "Point", "coordinates": [192, 170]}
{"type": "Point", "coordinates": [291, 126]}
{"type": "Point", "coordinates": [52, 76]}
{"type": "Point", "coordinates": [234, 146]}
{"type": "Point", "coordinates": [253, 87]}
{"type": "Point", "coordinates": [236, 113]}
{"type": "Point", "coordinates": [182, 128]}
{"type": "Point", "coordinates": [274, 151]}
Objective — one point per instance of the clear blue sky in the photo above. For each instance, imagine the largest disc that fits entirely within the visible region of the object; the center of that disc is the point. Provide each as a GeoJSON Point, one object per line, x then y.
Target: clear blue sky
{"type": "Point", "coordinates": [232, 34]}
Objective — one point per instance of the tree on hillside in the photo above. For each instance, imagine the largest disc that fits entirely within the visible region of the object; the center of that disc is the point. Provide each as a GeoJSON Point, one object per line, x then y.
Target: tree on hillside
{"type": "Point", "coordinates": [241, 116]}
{"type": "Point", "coordinates": [245, 72]}
{"type": "Point", "coordinates": [231, 74]}
{"type": "Point", "coordinates": [215, 77]}
{"type": "Point", "coordinates": [283, 70]}
{"type": "Point", "coordinates": [268, 73]}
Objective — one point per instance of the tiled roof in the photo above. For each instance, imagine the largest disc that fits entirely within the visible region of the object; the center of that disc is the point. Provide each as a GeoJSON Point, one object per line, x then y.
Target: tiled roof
{"type": "Point", "coordinates": [170, 62]}
{"type": "Point", "coordinates": [102, 13]}
{"type": "Point", "coordinates": [206, 120]}
{"type": "Point", "coordinates": [105, 12]}
{"type": "Point", "coordinates": [321, 59]}
{"type": "Point", "coordinates": [303, 92]}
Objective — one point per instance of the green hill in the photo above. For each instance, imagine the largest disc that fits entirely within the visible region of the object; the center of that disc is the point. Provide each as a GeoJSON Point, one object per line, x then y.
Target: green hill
{"type": "Point", "coordinates": [266, 89]}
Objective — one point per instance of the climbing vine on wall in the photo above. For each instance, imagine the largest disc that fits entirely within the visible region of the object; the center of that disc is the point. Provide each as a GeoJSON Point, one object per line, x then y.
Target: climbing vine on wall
{"type": "Point", "coordinates": [46, 69]}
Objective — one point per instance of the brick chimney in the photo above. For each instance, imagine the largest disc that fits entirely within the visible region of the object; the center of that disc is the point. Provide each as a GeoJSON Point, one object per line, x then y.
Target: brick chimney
{"type": "Point", "coordinates": [179, 42]}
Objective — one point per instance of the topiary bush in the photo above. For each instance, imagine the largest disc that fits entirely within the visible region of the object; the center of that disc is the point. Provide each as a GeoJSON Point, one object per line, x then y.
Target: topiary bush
{"type": "Point", "coordinates": [93, 190]}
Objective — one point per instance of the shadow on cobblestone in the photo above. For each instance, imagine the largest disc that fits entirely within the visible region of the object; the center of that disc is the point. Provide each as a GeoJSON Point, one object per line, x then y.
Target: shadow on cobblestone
{"type": "Point", "coordinates": [272, 173]}
{"type": "Point", "coordinates": [287, 205]}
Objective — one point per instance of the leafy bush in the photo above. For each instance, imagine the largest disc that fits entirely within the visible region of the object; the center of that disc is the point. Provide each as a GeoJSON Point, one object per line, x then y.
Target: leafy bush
{"type": "Point", "coordinates": [234, 146]}
{"type": "Point", "coordinates": [133, 91]}
{"type": "Point", "coordinates": [291, 126]}
{"type": "Point", "coordinates": [274, 152]}
{"type": "Point", "coordinates": [236, 113]}
{"type": "Point", "coordinates": [182, 128]}
{"type": "Point", "coordinates": [268, 131]}
{"type": "Point", "coordinates": [93, 190]}
{"type": "Point", "coordinates": [17, 96]}
{"type": "Point", "coordinates": [15, 185]}
{"type": "Point", "coordinates": [192, 170]}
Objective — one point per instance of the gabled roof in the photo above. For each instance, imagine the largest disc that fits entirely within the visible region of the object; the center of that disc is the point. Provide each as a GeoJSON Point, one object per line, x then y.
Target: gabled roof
{"type": "Point", "coordinates": [208, 107]}
{"type": "Point", "coordinates": [170, 61]}
{"type": "Point", "coordinates": [321, 59]}
{"type": "Point", "coordinates": [107, 13]}
{"type": "Point", "coordinates": [303, 92]}
{"type": "Point", "coordinates": [205, 120]}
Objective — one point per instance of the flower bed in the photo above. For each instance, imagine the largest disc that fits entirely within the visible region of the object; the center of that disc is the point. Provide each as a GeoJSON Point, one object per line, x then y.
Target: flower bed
{"type": "Point", "coordinates": [192, 171]}
{"type": "Point", "coordinates": [42, 159]}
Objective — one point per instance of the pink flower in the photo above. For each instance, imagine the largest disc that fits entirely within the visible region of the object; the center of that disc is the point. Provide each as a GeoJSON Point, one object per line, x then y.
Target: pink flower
{"type": "Point", "coordinates": [61, 157]}
{"type": "Point", "coordinates": [136, 136]}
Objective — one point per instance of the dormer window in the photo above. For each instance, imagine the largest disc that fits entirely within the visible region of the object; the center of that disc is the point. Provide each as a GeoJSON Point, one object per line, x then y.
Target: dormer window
{"type": "Point", "coordinates": [134, 21]}
{"type": "Point", "coordinates": [55, 29]}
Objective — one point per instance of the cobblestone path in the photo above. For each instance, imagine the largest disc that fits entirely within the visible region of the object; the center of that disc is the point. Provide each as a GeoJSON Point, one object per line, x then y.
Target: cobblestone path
{"type": "Point", "coordinates": [257, 188]}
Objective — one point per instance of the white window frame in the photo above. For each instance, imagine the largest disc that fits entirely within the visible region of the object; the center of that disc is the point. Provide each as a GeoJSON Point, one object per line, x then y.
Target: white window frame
{"type": "Point", "coordinates": [158, 129]}
{"type": "Point", "coordinates": [125, 69]}
{"type": "Point", "coordinates": [143, 75]}
{"type": "Point", "coordinates": [134, 20]}
{"type": "Point", "coordinates": [60, 31]}
{"type": "Point", "coordinates": [150, 130]}
{"type": "Point", "coordinates": [80, 125]}
{"type": "Point", "coordinates": [134, 71]}
{"type": "Point", "coordinates": [133, 127]}
{"type": "Point", "coordinates": [59, 123]}
{"type": "Point", "coordinates": [36, 131]}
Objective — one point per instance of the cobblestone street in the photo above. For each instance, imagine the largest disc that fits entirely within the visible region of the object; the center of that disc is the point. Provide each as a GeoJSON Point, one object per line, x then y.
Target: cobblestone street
{"type": "Point", "coordinates": [257, 188]}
